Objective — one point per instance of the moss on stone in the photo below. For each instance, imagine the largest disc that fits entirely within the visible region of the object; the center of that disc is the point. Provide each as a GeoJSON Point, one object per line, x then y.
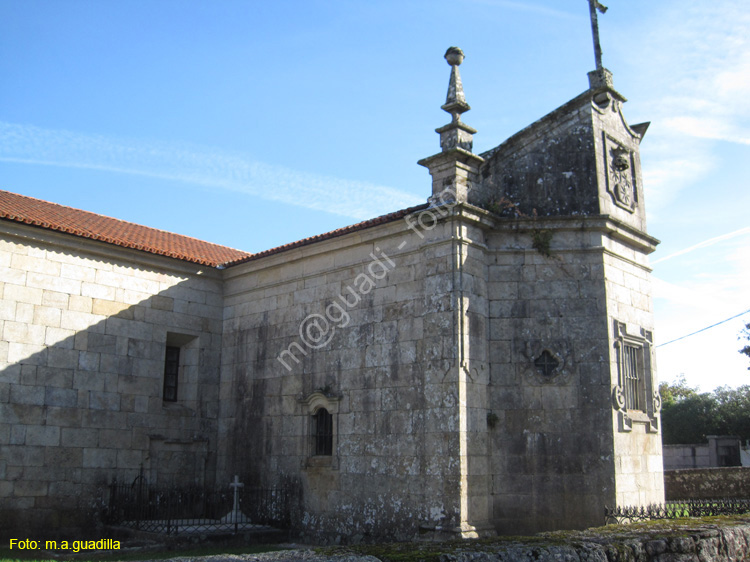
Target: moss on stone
{"type": "Point", "coordinates": [623, 540]}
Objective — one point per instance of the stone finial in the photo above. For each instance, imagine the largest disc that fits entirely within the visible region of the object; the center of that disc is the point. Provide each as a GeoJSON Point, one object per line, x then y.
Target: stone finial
{"type": "Point", "coordinates": [455, 101]}
{"type": "Point", "coordinates": [455, 134]}
{"type": "Point", "coordinates": [455, 168]}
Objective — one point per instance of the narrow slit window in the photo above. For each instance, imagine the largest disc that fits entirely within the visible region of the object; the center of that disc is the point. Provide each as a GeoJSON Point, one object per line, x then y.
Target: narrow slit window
{"type": "Point", "coordinates": [171, 370]}
{"type": "Point", "coordinates": [322, 433]}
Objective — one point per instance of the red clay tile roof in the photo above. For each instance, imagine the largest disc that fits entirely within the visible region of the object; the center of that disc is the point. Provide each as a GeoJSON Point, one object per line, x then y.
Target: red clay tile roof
{"type": "Point", "coordinates": [332, 234]}
{"type": "Point", "coordinates": [43, 214]}
{"type": "Point", "coordinates": [36, 212]}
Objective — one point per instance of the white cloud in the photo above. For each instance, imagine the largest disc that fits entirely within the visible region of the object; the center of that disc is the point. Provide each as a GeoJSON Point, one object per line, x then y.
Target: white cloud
{"type": "Point", "coordinates": [703, 302]}
{"type": "Point", "coordinates": [201, 166]}
{"type": "Point", "coordinates": [690, 70]}
{"type": "Point", "coordinates": [693, 62]}
{"type": "Point", "coordinates": [708, 127]}
{"type": "Point", "coordinates": [712, 286]}
{"type": "Point", "coordinates": [666, 171]}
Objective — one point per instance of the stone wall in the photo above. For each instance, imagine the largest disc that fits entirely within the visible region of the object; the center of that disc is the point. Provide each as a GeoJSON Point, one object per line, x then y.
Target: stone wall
{"type": "Point", "coordinates": [569, 291]}
{"type": "Point", "coordinates": [627, 274]}
{"type": "Point", "coordinates": [721, 450]}
{"type": "Point", "coordinates": [84, 328]}
{"type": "Point", "coordinates": [686, 456]}
{"type": "Point", "coordinates": [526, 169]}
{"type": "Point", "coordinates": [707, 483]}
{"type": "Point", "coordinates": [552, 455]}
{"type": "Point", "coordinates": [637, 439]}
{"type": "Point", "coordinates": [722, 540]}
{"type": "Point", "coordinates": [384, 366]}
{"type": "Point", "coordinates": [569, 163]}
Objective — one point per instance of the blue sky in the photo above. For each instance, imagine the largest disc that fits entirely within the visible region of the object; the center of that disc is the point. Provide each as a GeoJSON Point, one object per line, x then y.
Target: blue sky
{"type": "Point", "coordinates": [253, 124]}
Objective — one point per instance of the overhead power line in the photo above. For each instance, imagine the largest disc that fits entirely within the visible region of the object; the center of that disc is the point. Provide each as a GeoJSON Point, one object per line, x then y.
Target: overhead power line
{"type": "Point", "coordinates": [704, 329]}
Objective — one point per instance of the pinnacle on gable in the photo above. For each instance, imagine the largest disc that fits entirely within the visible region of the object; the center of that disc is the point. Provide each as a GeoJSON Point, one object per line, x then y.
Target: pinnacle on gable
{"type": "Point", "coordinates": [455, 167]}
{"type": "Point", "coordinates": [455, 134]}
{"type": "Point", "coordinates": [455, 101]}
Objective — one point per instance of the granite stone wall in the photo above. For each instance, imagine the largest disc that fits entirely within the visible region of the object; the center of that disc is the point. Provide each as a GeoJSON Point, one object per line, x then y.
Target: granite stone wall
{"type": "Point", "coordinates": [384, 366]}
{"type": "Point", "coordinates": [84, 328]}
{"type": "Point", "coordinates": [686, 456]}
{"type": "Point", "coordinates": [569, 285]}
{"type": "Point", "coordinates": [552, 449]}
{"type": "Point", "coordinates": [707, 483]}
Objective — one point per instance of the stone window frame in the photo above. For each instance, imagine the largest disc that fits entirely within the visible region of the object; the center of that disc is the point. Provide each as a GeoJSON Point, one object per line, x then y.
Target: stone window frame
{"type": "Point", "coordinates": [186, 378]}
{"type": "Point", "coordinates": [313, 404]}
{"type": "Point", "coordinates": [632, 375]}
{"type": "Point", "coordinates": [171, 379]}
{"type": "Point", "coordinates": [636, 399]}
{"type": "Point", "coordinates": [321, 433]}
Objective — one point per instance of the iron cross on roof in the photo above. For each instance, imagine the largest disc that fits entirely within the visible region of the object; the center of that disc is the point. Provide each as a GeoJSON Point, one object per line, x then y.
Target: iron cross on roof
{"type": "Point", "coordinates": [595, 5]}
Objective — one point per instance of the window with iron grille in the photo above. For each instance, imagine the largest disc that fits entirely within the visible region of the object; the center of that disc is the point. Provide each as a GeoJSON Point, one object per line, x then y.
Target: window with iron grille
{"type": "Point", "coordinates": [322, 433]}
{"type": "Point", "coordinates": [633, 377]}
{"type": "Point", "coordinates": [171, 371]}
{"type": "Point", "coordinates": [636, 394]}
{"type": "Point", "coordinates": [634, 365]}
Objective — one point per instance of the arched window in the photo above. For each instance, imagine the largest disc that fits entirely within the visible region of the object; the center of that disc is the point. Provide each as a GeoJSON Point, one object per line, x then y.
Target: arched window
{"type": "Point", "coordinates": [321, 412]}
{"type": "Point", "coordinates": [322, 433]}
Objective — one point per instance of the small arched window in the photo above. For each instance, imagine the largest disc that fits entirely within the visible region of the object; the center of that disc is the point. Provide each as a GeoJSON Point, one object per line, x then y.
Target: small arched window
{"type": "Point", "coordinates": [322, 433]}
{"type": "Point", "coordinates": [321, 411]}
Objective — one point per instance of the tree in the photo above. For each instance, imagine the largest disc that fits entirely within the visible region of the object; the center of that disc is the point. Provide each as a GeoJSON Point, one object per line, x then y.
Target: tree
{"type": "Point", "coordinates": [746, 334]}
{"type": "Point", "coordinates": [689, 420]}
{"type": "Point", "coordinates": [733, 410]}
{"type": "Point", "coordinates": [672, 393]}
{"type": "Point", "coordinates": [689, 416]}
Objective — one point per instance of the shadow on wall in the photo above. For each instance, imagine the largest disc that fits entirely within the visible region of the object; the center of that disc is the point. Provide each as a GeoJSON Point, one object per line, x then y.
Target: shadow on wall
{"type": "Point", "coordinates": [102, 378]}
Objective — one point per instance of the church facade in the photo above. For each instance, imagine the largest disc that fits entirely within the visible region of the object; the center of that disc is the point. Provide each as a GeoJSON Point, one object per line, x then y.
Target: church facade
{"type": "Point", "coordinates": [479, 364]}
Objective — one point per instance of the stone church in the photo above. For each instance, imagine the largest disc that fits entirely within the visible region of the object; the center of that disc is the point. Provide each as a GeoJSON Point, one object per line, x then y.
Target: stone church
{"type": "Point", "coordinates": [482, 363]}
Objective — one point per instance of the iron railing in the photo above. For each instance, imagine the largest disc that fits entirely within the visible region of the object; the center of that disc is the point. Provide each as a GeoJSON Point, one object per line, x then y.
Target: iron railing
{"type": "Point", "coordinates": [677, 510]}
{"type": "Point", "coordinates": [196, 510]}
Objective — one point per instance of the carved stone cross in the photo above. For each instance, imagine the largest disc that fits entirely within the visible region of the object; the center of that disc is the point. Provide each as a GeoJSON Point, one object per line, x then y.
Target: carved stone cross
{"type": "Point", "coordinates": [236, 484]}
{"type": "Point", "coordinates": [235, 516]}
{"type": "Point", "coordinates": [595, 5]}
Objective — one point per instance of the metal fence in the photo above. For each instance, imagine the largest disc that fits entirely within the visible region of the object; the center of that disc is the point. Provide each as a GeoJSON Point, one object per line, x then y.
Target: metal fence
{"type": "Point", "coordinates": [677, 510]}
{"type": "Point", "coordinates": [196, 510]}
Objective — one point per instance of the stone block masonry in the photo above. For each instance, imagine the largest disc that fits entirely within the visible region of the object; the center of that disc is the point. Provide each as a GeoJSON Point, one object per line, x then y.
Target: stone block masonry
{"type": "Point", "coordinates": [81, 372]}
{"type": "Point", "coordinates": [724, 540]}
{"type": "Point", "coordinates": [562, 315]}
{"type": "Point", "coordinates": [382, 374]}
{"type": "Point", "coordinates": [707, 483]}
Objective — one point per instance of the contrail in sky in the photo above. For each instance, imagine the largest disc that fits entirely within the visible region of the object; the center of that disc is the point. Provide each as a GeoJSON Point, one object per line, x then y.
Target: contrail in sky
{"type": "Point", "coordinates": [204, 166]}
{"type": "Point", "coordinates": [705, 244]}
